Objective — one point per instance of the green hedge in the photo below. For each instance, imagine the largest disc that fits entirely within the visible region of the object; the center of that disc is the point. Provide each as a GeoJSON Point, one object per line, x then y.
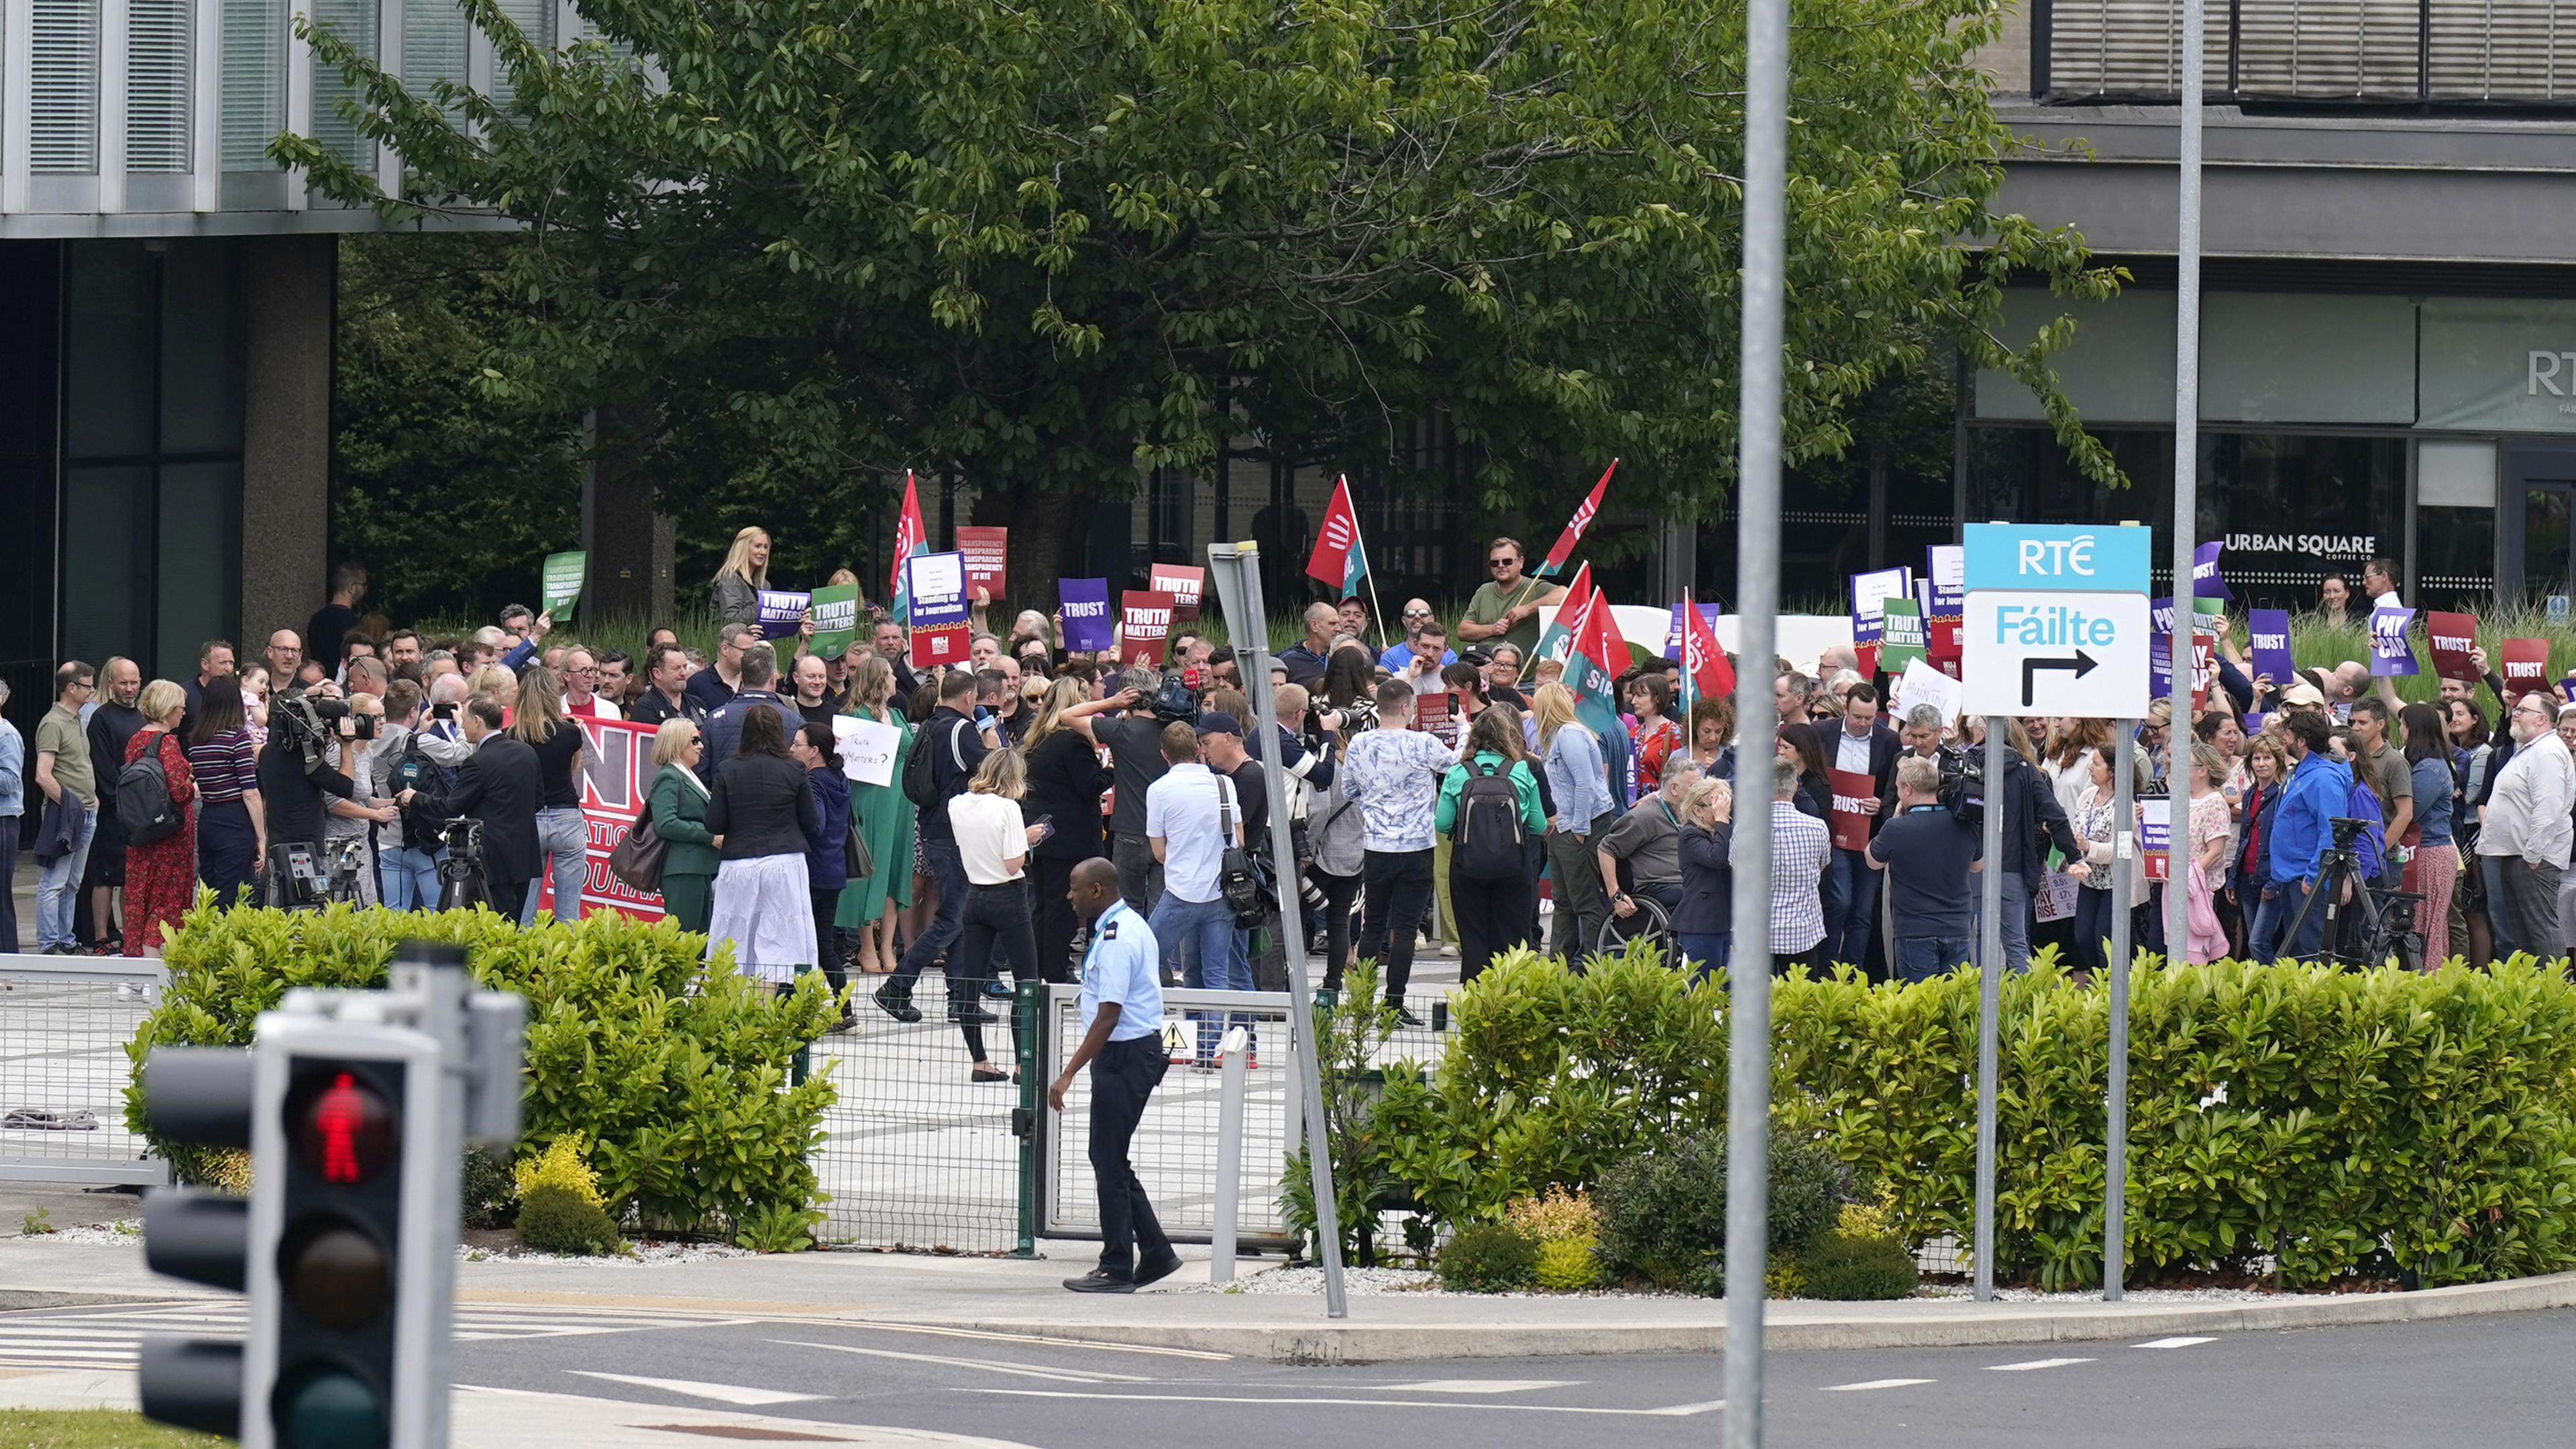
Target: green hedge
{"type": "Point", "coordinates": [2343, 1123]}
{"type": "Point", "coordinates": [673, 1070]}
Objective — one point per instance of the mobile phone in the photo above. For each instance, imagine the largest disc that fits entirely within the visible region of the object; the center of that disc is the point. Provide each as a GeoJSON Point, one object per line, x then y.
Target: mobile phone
{"type": "Point", "coordinates": [1046, 827]}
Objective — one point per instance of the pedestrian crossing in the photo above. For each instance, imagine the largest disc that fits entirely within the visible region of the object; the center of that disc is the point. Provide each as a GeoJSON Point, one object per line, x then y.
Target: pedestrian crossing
{"type": "Point", "coordinates": [112, 1338]}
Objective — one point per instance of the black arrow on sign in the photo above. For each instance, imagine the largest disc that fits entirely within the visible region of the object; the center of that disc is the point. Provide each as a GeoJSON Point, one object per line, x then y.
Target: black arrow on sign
{"type": "Point", "coordinates": [2082, 663]}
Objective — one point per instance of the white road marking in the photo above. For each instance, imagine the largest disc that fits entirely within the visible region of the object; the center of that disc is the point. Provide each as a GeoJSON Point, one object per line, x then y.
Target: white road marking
{"type": "Point", "coordinates": [1481, 1386]}
{"type": "Point", "coordinates": [2173, 1342]}
{"type": "Point", "coordinates": [1669, 1411]}
{"type": "Point", "coordinates": [1197, 1353]}
{"type": "Point", "coordinates": [1062, 1376]}
{"type": "Point", "coordinates": [1868, 1384]}
{"type": "Point", "coordinates": [2037, 1363]}
{"type": "Point", "coordinates": [721, 1393]}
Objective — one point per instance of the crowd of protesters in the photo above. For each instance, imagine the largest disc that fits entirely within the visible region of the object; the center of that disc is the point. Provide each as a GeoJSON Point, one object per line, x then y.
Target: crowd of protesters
{"type": "Point", "coordinates": [1440, 785]}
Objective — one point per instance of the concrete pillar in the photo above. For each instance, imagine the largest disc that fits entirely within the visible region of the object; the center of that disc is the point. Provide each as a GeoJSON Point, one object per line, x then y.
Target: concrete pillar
{"type": "Point", "coordinates": [629, 545]}
{"type": "Point", "coordinates": [291, 287]}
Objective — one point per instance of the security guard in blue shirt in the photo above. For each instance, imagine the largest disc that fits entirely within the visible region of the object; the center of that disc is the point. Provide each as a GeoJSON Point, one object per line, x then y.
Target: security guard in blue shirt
{"type": "Point", "coordinates": [1122, 1043]}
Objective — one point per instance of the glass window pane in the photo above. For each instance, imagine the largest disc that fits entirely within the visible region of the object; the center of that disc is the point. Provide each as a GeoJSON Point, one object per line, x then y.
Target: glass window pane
{"type": "Point", "coordinates": [201, 347]}
{"type": "Point", "coordinates": [107, 552]}
{"type": "Point", "coordinates": [2455, 556]}
{"type": "Point", "coordinates": [254, 93]}
{"type": "Point", "coordinates": [200, 559]}
{"type": "Point", "coordinates": [160, 41]}
{"type": "Point", "coordinates": [354, 21]}
{"type": "Point", "coordinates": [108, 351]}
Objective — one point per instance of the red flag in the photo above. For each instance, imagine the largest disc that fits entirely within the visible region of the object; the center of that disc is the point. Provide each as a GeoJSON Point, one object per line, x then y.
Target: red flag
{"type": "Point", "coordinates": [1338, 559]}
{"type": "Point", "coordinates": [1574, 527]}
{"type": "Point", "coordinates": [909, 538]}
{"type": "Point", "coordinates": [1711, 676]}
{"type": "Point", "coordinates": [1599, 624]}
{"type": "Point", "coordinates": [1557, 639]}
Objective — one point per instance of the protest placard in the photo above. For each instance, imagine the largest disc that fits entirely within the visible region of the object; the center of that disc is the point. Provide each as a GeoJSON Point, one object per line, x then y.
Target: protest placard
{"type": "Point", "coordinates": [1084, 607]}
{"type": "Point", "coordinates": [2270, 631]}
{"type": "Point", "coordinates": [1183, 583]}
{"type": "Point", "coordinates": [2391, 654]}
{"type": "Point", "coordinates": [617, 773]}
{"type": "Point", "coordinates": [836, 619]}
{"type": "Point", "coordinates": [1853, 794]}
{"type": "Point", "coordinates": [1144, 625]}
{"type": "Point", "coordinates": [1871, 590]}
{"type": "Point", "coordinates": [936, 583]}
{"type": "Point", "coordinates": [1901, 639]}
{"type": "Point", "coordinates": [559, 582]}
{"type": "Point", "coordinates": [2453, 636]}
{"type": "Point", "coordinates": [867, 748]}
{"type": "Point", "coordinates": [2525, 665]}
{"type": "Point", "coordinates": [987, 552]}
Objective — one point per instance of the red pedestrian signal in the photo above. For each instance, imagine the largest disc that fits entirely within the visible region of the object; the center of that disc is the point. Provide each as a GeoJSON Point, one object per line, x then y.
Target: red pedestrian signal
{"type": "Point", "coordinates": [344, 1132]}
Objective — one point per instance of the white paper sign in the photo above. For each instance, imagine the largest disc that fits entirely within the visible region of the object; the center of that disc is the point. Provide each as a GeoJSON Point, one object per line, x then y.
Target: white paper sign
{"type": "Point", "coordinates": [2056, 897]}
{"type": "Point", "coordinates": [867, 748]}
{"type": "Point", "coordinates": [1923, 684]}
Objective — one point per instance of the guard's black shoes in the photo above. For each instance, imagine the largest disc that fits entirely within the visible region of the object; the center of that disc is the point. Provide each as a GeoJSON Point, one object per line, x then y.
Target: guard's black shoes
{"type": "Point", "coordinates": [1158, 1269]}
{"type": "Point", "coordinates": [1099, 1280]}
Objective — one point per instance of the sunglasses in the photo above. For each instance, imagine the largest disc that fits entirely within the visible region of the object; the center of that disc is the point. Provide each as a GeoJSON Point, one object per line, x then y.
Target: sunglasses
{"type": "Point", "coordinates": [1500, 563]}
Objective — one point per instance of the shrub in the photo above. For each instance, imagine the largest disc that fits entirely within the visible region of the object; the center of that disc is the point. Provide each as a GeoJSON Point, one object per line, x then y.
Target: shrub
{"type": "Point", "coordinates": [1488, 1258]}
{"type": "Point", "coordinates": [1555, 1215]}
{"type": "Point", "coordinates": [559, 1204]}
{"type": "Point", "coordinates": [487, 1198]}
{"type": "Point", "coordinates": [671, 1069]}
{"type": "Point", "coordinates": [1663, 1214]}
{"type": "Point", "coordinates": [1568, 1264]}
{"type": "Point", "coordinates": [1848, 1269]}
{"type": "Point", "coordinates": [2370, 1121]}
{"type": "Point", "coordinates": [1350, 1035]}
{"type": "Point", "coordinates": [1784, 1276]}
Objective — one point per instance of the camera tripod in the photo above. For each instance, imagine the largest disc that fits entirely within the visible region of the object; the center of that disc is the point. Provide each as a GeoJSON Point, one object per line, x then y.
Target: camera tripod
{"type": "Point", "coordinates": [2378, 927]}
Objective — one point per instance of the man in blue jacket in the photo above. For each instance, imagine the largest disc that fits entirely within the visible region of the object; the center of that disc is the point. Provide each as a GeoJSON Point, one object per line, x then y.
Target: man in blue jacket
{"type": "Point", "coordinates": [2319, 786]}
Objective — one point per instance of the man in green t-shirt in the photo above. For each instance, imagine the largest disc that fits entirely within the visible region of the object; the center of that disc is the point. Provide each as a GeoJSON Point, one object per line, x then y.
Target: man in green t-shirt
{"type": "Point", "coordinates": [1506, 607]}
{"type": "Point", "coordinates": [63, 773]}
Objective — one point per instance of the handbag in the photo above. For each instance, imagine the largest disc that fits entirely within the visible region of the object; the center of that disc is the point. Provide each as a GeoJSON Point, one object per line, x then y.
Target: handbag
{"type": "Point", "coordinates": [860, 861]}
{"type": "Point", "coordinates": [637, 860]}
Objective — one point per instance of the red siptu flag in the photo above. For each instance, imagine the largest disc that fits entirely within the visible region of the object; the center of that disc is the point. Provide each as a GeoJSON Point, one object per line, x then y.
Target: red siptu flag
{"type": "Point", "coordinates": [1557, 639]}
{"type": "Point", "coordinates": [909, 538]}
{"type": "Point", "coordinates": [1338, 559]}
{"type": "Point", "coordinates": [1574, 527]}
{"type": "Point", "coordinates": [1711, 676]}
{"type": "Point", "coordinates": [1600, 624]}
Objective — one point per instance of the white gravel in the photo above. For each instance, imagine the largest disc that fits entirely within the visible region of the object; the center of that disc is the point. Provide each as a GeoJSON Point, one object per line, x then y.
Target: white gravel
{"type": "Point", "coordinates": [123, 1230]}
{"type": "Point", "coordinates": [647, 1255]}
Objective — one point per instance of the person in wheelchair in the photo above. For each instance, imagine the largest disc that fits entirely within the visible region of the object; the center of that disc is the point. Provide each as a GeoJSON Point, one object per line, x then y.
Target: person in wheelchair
{"type": "Point", "coordinates": [1640, 857]}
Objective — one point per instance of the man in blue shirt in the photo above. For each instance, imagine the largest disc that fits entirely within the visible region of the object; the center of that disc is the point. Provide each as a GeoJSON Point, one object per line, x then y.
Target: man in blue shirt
{"type": "Point", "coordinates": [1122, 1043]}
{"type": "Point", "coordinates": [2319, 786]}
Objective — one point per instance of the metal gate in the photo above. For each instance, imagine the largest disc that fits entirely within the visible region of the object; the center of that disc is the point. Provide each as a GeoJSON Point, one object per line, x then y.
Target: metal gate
{"type": "Point", "coordinates": [64, 1025]}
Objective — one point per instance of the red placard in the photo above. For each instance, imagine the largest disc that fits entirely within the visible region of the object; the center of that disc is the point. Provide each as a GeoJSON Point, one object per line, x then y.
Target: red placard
{"type": "Point", "coordinates": [1868, 656]}
{"type": "Point", "coordinates": [1853, 793]}
{"type": "Point", "coordinates": [617, 772]}
{"type": "Point", "coordinates": [945, 644]}
{"type": "Point", "coordinates": [987, 559]}
{"type": "Point", "coordinates": [1431, 713]}
{"type": "Point", "coordinates": [1144, 625]}
{"type": "Point", "coordinates": [1184, 583]}
{"type": "Point", "coordinates": [2526, 665]}
{"type": "Point", "coordinates": [2453, 636]}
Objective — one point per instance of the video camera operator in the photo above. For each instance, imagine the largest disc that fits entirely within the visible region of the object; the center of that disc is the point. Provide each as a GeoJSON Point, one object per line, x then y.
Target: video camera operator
{"type": "Point", "coordinates": [296, 775]}
{"type": "Point", "coordinates": [1134, 737]}
{"type": "Point", "coordinates": [499, 787]}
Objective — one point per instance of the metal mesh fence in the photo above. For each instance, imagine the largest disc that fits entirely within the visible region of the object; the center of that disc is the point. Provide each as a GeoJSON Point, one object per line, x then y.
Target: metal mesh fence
{"type": "Point", "coordinates": [1175, 1147]}
{"type": "Point", "coordinates": [64, 1023]}
{"type": "Point", "coordinates": [917, 1155]}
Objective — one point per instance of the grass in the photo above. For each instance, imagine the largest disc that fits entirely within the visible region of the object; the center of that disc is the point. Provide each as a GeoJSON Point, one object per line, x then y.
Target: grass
{"type": "Point", "coordinates": [94, 1429]}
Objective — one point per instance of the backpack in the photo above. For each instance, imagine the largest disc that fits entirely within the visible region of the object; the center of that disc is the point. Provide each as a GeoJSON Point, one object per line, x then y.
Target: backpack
{"type": "Point", "coordinates": [415, 770]}
{"type": "Point", "coordinates": [921, 781]}
{"type": "Point", "coordinates": [143, 805]}
{"type": "Point", "coordinates": [1491, 841]}
{"type": "Point", "coordinates": [1243, 877]}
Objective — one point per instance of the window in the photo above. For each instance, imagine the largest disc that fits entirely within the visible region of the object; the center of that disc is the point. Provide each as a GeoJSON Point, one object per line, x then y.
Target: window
{"type": "Point", "coordinates": [254, 81]}
{"type": "Point", "coordinates": [63, 88]}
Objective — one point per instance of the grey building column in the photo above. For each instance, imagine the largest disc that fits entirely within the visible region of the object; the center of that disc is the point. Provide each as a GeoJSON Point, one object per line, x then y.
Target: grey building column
{"type": "Point", "coordinates": [628, 543]}
{"type": "Point", "coordinates": [291, 287]}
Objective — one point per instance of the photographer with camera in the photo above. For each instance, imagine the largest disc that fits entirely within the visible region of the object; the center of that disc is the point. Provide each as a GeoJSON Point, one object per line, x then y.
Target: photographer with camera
{"type": "Point", "coordinates": [2318, 788]}
{"type": "Point", "coordinates": [296, 779]}
{"type": "Point", "coordinates": [498, 789]}
{"type": "Point", "coordinates": [350, 822]}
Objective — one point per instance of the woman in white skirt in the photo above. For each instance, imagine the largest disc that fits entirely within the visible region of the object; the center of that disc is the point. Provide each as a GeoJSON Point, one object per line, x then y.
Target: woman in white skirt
{"type": "Point", "coordinates": [763, 810]}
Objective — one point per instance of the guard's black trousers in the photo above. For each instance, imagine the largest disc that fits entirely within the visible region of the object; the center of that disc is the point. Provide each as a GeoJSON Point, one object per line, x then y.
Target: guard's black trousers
{"type": "Point", "coordinates": [1122, 1077]}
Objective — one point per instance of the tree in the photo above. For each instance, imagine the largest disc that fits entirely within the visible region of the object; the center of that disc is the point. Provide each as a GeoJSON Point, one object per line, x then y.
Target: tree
{"type": "Point", "coordinates": [809, 243]}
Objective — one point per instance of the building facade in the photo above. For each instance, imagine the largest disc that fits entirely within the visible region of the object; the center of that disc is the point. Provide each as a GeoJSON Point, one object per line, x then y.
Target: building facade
{"type": "Point", "coordinates": [2388, 320]}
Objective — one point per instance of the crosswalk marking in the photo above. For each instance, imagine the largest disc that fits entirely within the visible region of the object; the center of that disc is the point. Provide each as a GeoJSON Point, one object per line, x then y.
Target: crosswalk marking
{"type": "Point", "coordinates": [1868, 1384]}
{"type": "Point", "coordinates": [2037, 1363]}
{"type": "Point", "coordinates": [2173, 1342]}
{"type": "Point", "coordinates": [113, 1337]}
{"type": "Point", "coordinates": [1032, 1371]}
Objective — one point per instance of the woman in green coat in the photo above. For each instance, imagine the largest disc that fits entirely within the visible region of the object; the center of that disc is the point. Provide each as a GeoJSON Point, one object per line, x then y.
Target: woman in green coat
{"type": "Point", "coordinates": [882, 816]}
{"type": "Point", "coordinates": [678, 803]}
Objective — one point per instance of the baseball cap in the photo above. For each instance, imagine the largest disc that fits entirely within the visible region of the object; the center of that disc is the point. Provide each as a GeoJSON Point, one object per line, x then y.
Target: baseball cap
{"type": "Point", "coordinates": [2302, 692]}
{"type": "Point", "coordinates": [1218, 722]}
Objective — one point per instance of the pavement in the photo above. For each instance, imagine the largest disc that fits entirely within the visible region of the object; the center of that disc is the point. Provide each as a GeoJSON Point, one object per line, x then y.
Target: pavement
{"type": "Point", "coordinates": [531, 1377]}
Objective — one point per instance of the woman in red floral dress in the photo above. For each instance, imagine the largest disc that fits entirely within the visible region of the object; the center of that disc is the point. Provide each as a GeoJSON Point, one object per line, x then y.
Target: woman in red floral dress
{"type": "Point", "coordinates": [161, 878]}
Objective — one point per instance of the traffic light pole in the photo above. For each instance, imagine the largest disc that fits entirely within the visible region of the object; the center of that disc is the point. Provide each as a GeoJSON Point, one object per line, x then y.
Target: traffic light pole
{"type": "Point", "coordinates": [356, 1106]}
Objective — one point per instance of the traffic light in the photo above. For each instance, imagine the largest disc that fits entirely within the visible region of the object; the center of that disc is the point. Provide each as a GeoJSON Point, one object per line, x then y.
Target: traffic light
{"type": "Point", "coordinates": [355, 1107]}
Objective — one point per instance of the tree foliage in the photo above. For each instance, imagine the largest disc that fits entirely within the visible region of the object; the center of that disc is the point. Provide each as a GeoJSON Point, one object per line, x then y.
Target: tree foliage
{"type": "Point", "coordinates": [1043, 245]}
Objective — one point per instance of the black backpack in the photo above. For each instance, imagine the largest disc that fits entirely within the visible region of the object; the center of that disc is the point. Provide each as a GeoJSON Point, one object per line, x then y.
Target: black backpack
{"type": "Point", "coordinates": [1490, 840]}
{"type": "Point", "coordinates": [415, 770]}
{"type": "Point", "coordinates": [921, 779]}
{"type": "Point", "coordinates": [143, 805]}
